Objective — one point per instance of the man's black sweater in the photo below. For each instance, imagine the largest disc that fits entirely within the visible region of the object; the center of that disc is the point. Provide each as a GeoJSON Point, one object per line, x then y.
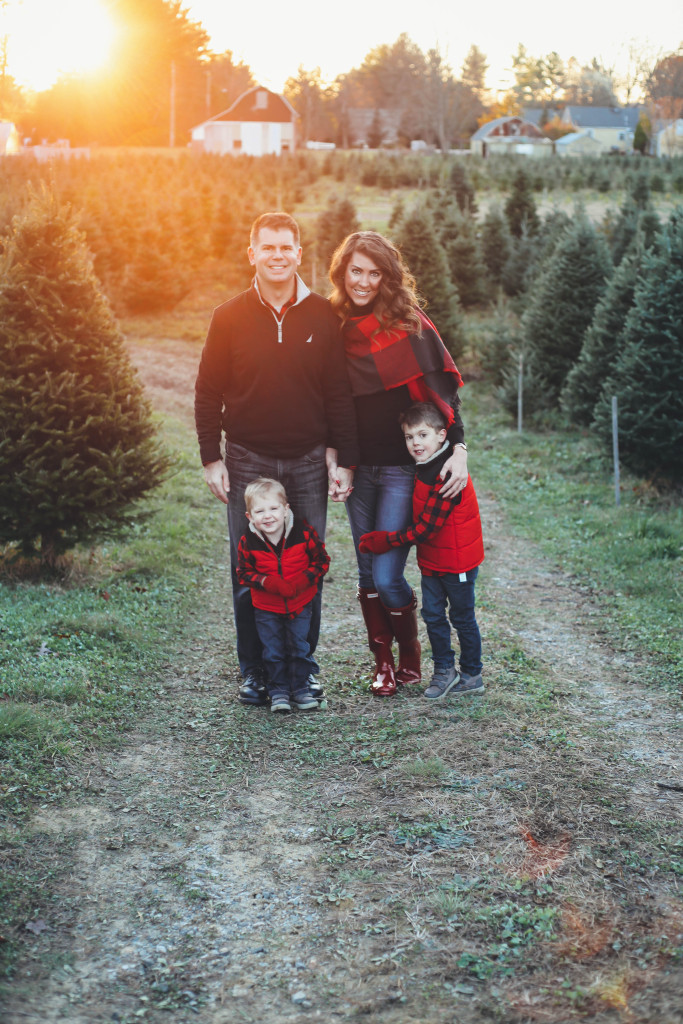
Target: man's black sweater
{"type": "Point", "coordinates": [277, 386]}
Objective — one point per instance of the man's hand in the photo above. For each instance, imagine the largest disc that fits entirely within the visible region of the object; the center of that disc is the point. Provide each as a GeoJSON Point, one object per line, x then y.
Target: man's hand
{"type": "Point", "coordinates": [454, 474]}
{"type": "Point", "coordinates": [339, 478]}
{"type": "Point", "coordinates": [217, 479]}
{"type": "Point", "coordinates": [374, 543]}
{"type": "Point", "coordinates": [277, 585]}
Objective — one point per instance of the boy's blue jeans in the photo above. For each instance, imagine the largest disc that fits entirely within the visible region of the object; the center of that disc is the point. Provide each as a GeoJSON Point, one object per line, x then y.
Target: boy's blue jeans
{"type": "Point", "coordinates": [305, 481]}
{"type": "Point", "coordinates": [286, 652]}
{"type": "Point", "coordinates": [437, 593]}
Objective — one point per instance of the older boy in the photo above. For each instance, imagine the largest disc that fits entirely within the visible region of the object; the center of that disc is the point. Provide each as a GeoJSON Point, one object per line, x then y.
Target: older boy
{"type": "Point", "coordinates": [282, 560]}
{"type": "Point", "coordinates": [447, 532]}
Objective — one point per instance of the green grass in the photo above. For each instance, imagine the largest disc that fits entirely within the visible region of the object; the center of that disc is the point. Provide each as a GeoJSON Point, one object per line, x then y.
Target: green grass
{"type": "Point", "coordinates": [81, 656]}
{"type": "Point", "coordinates": [556, 488]}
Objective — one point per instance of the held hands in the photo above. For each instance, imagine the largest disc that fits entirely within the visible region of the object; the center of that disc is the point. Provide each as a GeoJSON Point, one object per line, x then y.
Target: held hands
{"type": "Point", "coordinates": [454, 474]}
{"type": "Point", "coordinates": [277, 585]}
{"type": "Point", "coordinates": [339, 478]}
{"type": "Point", "coordinates": [374, 543]}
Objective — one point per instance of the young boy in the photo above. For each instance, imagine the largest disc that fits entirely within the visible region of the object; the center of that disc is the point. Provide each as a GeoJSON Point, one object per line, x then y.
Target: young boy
{"type": "Point", "coordinates": [283, 560]}
{"type": "Point", "coordinates": [450, 548]}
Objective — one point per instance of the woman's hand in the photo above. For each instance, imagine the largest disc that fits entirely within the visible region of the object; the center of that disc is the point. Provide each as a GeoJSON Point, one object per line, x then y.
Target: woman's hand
{"type": "Point", "coordinates": [340, 479]}
{"type": "Point", "coordinates": [454, 473]}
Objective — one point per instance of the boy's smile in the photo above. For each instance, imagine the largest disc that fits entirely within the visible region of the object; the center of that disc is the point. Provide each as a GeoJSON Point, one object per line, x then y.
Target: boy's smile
{"type": "Point", "coordinates": [268, 516]}
{"type": "Point", "coordinates": [423, 441]}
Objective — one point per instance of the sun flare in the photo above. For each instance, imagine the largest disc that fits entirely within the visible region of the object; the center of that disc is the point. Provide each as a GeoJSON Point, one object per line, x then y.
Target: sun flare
{"type": "Point", "coordinates": [47, 39]}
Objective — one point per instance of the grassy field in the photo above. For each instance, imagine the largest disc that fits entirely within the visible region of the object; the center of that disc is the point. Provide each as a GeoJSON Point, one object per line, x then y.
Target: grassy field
{"type": "Point", "coordinates": [502, 859]}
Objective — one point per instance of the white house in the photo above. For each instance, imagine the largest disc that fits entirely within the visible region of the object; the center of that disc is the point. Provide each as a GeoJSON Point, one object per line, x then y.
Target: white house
{"type": "Point", "coordinates": [258, 123]}
{"type": "Point", "coordinates": [612, 127]}
{"type": "Point", "coordinates": [667, 138]}
{"type": "Point", "coordinates": [10, 143]}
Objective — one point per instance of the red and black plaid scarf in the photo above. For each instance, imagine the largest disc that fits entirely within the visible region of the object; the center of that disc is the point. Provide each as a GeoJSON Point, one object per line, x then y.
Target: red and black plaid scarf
{"type": "Point", "coordinates": [379, 360]}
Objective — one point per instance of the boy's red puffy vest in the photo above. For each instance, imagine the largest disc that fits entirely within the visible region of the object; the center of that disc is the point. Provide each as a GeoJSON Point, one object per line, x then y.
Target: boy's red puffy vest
{"type": "Point", "coordinates": [458, 546]}
{"type": "Point", "coordinates": [291, 561]}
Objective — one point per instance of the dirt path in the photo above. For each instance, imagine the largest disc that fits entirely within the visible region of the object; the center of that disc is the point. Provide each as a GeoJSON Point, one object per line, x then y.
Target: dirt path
{"type": "Point", "coordinates": [208, 881]}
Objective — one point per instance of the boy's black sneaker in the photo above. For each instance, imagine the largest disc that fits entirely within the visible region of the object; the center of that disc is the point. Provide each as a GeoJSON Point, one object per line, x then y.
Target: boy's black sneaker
{"type": "Point", "coordinates": [468, 684]}
{"type": "Point", "coordinates": [253, 691]}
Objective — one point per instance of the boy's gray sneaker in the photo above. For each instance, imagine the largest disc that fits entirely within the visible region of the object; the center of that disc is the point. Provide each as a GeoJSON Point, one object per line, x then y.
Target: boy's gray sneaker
{"type": "Point", "coordinates": [316, 687]}
{"type": "Point", "coordinates": [443, 681]}
{"type": "Point", "coordinates": [305, 701]}
{"type": "Point", "coordinates": [280, 702]}
{"type": "Point", "coordinates": [468, 684]}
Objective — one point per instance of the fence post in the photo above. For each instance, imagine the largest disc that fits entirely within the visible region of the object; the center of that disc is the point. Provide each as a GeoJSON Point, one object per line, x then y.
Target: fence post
{"type": "Point", "coordinates": [520, 378]}
{"type": "Point", "coordinates": [615, 449]}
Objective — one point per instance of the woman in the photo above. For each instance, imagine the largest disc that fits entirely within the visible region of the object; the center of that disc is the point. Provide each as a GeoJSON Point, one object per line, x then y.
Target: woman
{"type": "Point", "coordinates": [394, 357]}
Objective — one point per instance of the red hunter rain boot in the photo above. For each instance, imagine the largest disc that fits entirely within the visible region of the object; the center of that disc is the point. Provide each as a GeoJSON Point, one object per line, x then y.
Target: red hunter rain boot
{"type": "Point", "coordinates": [380, 637]}
{"type": "Point", "coordinates": [404, 625]}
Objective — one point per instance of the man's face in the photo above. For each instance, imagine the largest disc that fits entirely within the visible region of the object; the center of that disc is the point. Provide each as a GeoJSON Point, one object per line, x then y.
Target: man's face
{"type": "Point", "coordinates": [423, 441]}
{"type": "Point", "coordinates": [275, 255]}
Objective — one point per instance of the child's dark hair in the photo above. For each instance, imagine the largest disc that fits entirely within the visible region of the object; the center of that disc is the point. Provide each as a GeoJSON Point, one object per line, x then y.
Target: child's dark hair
{"type": "Point", "coordinates": [423, 412]}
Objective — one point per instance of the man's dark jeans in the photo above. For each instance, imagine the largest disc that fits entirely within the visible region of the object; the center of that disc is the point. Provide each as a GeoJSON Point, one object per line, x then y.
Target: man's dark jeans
{"type": "Point", "coordinates": [305, 481]}
{"type": "Point", "coordinates": [437, 592]}
{"type": "Point", "coordinates": [286, 654]}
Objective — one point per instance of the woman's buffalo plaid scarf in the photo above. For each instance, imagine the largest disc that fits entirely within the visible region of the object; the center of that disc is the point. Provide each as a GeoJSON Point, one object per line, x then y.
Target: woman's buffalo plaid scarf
{"type": "Point", "coordinates": [379, 359]}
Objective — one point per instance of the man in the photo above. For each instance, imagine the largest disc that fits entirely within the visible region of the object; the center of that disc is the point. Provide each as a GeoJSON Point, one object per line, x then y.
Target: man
{"type": "Point", "coordinates": [273, 376]}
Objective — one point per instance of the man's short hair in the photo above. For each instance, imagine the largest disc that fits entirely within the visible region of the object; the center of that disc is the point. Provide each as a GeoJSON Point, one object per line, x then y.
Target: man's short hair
{"type": "Point", "coordinates": [276, 222]}
{"type": "Point", "coordinates": [259, 488]}
{"type": "Point", "coordinates": [423, 412]}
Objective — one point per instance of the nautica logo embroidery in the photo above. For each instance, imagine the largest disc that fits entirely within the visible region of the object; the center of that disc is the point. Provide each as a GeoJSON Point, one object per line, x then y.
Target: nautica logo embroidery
{"type": "Point", "coordinates": [309, 340]}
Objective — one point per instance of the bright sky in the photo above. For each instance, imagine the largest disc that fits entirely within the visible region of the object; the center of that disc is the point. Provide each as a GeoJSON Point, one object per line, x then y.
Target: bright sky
{"type": "Point", "coordinates": [46, 37]}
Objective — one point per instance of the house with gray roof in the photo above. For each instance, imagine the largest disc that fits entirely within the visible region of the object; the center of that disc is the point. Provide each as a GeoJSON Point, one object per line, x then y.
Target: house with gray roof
{"type": "Point", "coordinates": [612, 127]}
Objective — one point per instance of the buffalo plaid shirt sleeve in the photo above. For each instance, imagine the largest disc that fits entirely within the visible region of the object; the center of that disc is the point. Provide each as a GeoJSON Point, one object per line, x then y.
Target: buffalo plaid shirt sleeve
{"type": "Point", "coordinates": [435, 513]}
{"type": "Point", "coordinates": [247, 573]}
{"type": "Point", "coordinates": [318, 558]}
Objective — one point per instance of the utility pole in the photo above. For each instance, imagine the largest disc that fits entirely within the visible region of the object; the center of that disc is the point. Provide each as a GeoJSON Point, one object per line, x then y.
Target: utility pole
{"type": "Point", "coordinates": [171, 134]}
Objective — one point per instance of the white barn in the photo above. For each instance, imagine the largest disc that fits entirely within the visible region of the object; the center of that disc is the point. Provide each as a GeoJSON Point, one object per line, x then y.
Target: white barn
{"type": "Point", "coordinates": [258, 123]}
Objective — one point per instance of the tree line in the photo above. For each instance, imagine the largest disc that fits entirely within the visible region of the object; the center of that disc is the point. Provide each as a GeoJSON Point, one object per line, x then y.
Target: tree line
{"type": "Point", "coordinates": [162, 58]}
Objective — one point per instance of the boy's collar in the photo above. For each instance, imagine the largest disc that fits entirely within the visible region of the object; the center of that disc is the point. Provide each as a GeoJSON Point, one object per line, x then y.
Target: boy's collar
{"type": "Point", "coordinates": [436, 454]}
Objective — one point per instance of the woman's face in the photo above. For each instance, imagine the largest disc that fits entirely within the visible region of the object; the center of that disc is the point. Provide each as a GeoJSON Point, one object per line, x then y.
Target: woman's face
{"type": "Point", "coordinates": [362, 279]}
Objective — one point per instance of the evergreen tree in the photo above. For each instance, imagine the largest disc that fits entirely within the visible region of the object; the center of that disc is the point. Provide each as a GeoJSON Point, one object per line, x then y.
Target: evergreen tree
{"type": "Point", "coordinates": [496, 243]}
{"type": "Point", "coordinates": [499, 346]}
{"type": "Point", "coordinates": [76, 438]}
{"type": "Point", "coordinates": [338, 219]}
{"type": "Point", "coordinates": [602, 342]}
{"type": "Point", "coordinates": [520, 267]}
{"type": "Point", "coordinates": [465, 260]}
{"type": "Point", "coordinates": [648, 371]}
{"type": "Point", "coordinates": [520, 208]}
{"type": "Point", "coordinates": [462, 189]}
{"type": "Point", "coordinates": [561, 307]}
{"type": "Point", "coordinates": [419, 245]}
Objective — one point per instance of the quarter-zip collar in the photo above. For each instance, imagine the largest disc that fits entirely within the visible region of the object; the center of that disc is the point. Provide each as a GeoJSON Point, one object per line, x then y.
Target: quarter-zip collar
{"type": "Point", "coordinates": [302, 292]}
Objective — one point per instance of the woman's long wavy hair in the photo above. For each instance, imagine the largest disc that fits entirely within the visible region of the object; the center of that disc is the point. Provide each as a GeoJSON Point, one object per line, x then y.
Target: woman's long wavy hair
{"type": "Point", "coordinates": [397, 302]}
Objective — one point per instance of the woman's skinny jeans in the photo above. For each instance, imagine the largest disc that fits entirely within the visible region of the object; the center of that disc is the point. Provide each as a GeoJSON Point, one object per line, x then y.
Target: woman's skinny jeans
{"type": "Point", "coordinates": [382, 499]}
